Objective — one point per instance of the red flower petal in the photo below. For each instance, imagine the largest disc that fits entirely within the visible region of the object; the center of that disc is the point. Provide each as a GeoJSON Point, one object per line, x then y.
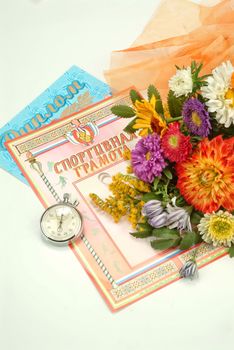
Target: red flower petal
{"type": "Point", "coordinates": [176, 146]}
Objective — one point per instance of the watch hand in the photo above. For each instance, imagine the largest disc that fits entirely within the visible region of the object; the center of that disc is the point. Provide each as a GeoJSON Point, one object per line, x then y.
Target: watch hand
{"type": "Point", "coordinates": [61, 219]}
{"type": "Point", "coordinates": [60, 224]}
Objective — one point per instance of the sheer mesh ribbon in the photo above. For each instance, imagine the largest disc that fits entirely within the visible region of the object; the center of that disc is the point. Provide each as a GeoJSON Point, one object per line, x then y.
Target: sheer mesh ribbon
{"type": "Point", "coordinates": [179, 31]}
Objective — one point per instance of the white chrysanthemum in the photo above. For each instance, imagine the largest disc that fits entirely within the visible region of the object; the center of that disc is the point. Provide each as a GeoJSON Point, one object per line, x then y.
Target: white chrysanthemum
{"type": "Point", "coordinates": [217, 228]}
{"type": "Point", "coordinates": [181, 83]}
{"type": "Point", "coordinates": [220, 93]}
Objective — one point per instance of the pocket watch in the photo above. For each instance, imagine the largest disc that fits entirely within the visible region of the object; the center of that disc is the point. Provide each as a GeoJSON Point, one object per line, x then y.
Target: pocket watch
{"type": "Point", "coordinates": [62, 223]}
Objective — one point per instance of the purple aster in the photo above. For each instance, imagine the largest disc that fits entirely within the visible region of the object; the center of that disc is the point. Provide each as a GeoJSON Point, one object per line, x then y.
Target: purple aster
{"type": "Point", "coordinates": [196, 117]}
{"type": "Point", "coordinates": [147, 158]}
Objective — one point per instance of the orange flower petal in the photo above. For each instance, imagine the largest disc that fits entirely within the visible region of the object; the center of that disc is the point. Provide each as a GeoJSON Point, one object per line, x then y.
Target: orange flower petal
{"type": "Point", "coordinates": [206, 180]}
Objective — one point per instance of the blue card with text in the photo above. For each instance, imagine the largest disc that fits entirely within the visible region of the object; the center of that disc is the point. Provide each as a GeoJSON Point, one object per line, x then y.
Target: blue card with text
{"type": "Point", "coordinates": [74, 90]}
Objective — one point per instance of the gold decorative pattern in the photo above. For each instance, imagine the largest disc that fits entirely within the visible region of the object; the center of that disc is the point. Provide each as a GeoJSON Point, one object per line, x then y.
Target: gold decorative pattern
{"type": "Point", "coordinates": [143, 280]}
{"type": "Point", "coordinates": [45, 138]}
{"type": "Point", "coordinates": [63, 130]}
{"type": "Point", "coordinates": [202, 250]}
{"type": "Point", "coordinates": [152, 279]}
{"type": "Point", "coordinates": [104, 112]}
{"type": "Point", "coordinates": [83, 101]}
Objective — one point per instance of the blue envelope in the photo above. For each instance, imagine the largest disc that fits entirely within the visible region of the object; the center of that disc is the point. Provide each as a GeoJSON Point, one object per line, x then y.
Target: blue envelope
{"type": "Point", "coordinates": [74, 90]}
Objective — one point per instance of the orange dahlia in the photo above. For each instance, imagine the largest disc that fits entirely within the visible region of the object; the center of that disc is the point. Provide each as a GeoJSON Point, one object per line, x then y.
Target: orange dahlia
{"type": "Point", "coordinates": [206, 179]}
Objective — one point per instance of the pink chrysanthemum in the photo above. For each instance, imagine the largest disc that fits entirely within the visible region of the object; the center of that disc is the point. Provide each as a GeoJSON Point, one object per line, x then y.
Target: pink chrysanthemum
{"type": "Point", "coordinates": [176, 146]}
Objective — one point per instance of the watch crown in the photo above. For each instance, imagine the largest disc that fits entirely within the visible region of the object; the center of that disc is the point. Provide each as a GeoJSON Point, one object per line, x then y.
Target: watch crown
{"type": "Point", "coordinates": [66, 197]}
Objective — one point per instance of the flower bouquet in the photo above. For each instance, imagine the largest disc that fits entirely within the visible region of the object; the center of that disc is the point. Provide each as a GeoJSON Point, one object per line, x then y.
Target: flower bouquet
{"type": "Point", "coordinates": [179, 185]}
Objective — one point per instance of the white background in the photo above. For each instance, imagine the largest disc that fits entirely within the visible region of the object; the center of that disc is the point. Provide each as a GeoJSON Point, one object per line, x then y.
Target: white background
{"type": "Point", "coordinates": [46, 299]}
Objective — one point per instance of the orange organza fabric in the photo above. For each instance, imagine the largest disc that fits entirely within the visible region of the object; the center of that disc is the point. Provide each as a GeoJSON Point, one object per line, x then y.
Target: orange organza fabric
{"type": "Point", "coordinates": [179, 31]}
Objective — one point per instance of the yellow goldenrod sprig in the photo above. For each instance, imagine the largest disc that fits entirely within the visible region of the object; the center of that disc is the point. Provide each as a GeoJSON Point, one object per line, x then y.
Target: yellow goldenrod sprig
{"type": "Point", "coordinates": [126, 200]}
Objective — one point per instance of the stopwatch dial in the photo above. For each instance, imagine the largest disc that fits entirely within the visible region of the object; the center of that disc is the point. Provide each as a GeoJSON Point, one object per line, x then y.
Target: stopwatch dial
{"type": "Point", "coordinates": [61, 223]}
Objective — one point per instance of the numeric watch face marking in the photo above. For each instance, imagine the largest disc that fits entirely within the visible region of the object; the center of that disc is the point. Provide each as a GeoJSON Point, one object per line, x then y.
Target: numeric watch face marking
{"type": "Point", "coordinates": [61, 223]}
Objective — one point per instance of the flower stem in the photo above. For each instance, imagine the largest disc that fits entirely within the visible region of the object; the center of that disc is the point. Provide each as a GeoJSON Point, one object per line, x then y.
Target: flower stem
{"type": "Point", "coordinates": [171, 120]}
{"type": "Point", "coordinates": [197, 138]}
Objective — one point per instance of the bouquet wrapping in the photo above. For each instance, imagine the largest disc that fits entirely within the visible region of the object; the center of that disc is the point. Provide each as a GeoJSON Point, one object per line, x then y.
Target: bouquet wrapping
{"type": "Point", "coordinates": [180, 31]}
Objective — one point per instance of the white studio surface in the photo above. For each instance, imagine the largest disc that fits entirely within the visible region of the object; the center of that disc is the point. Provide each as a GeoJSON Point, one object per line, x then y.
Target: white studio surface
{"type": "Point", "coordinates": [47, 301]}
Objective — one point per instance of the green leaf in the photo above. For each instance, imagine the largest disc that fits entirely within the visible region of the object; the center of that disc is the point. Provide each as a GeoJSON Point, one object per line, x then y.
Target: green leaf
{"type": "Point", "coordinates": [141, 234]}
{"type": "Point", "coordinates": [148, 196]}
{"type": "Point", "coordinates": [201, 98]}
{"type": "Point", "coordinates": [165, 233]}
{"type": "Point", "coordinates": [129, 128]}
{"type": "Point", "coordinates": [231, 251]}
{"type": "Point", "coordinates": [198, 238]}
{"type": "Point", "coordinates": [155, 183]}
{"type": "Point", "coordinates": [123, 111]}
{"type": "Point", "coordinates": [153, 91]}
{"type": "Point", "coordinates": [198, 70]}
{"type": "Point", "coordinates": [193, 66]}
{"type": "Point", "coordinates": [135, 96]}
{"type": "Point", "coordinates": [168, 173]}
{"type": "Point", "coordinates": [175, 104]}
{"type": "Point", "coordinates": [165, 243]}
{"type": "Point", "coordinates": [189, 240]}
{"type": "Point", "coordinates": [195, 218]}
{"type": "Point", "coordinates": [145, 226]}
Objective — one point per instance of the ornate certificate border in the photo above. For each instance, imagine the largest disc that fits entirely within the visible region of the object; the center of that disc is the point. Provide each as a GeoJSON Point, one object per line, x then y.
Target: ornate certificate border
{"type": "Point", "coordinates": [138, 281]}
